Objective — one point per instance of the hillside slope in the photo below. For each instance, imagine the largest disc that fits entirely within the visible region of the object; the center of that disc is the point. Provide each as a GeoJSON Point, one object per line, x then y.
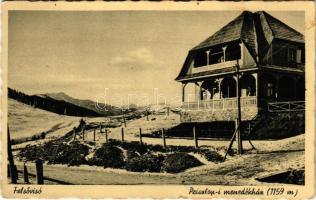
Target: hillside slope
{"type": "Point", "coordinates": [88, 104]}
{"type": "Point", "coordinates": [26, 121]}
{"type": "Point", "coordinates": [50, 104]}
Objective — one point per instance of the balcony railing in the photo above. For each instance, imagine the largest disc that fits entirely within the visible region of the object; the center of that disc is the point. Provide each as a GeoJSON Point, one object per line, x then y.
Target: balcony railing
{"type": "Point", "coordinates": [288, 106]}
{"type": "Point", "coordinates": [216, 66]}
{"type": "Point", "coordinates": [220, 104]}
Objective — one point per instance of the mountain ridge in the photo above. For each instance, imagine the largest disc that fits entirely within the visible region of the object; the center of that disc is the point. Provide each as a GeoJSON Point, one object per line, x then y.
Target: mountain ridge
{"type": "Point", "coordinates": [61, 104]}
{"type": "Point", "coordinates": [85, 103]}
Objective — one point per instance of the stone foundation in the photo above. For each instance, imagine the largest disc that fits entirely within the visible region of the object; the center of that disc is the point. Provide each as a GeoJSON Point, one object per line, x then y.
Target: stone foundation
{"type": "Point", "coordinates": [247, 113]}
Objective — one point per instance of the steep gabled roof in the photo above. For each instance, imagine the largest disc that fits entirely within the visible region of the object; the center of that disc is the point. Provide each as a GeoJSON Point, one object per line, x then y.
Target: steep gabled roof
{"type": "Point", "coordinates": [256, 30]}
{"type": "Point", "coordinates": [243, 27]}
{"type": "Point", "coordinates": [248, 34]}
{"type": "Point", "coordinates": [230, 32]}
{"type": "Point", "coordinates": [280, 30]}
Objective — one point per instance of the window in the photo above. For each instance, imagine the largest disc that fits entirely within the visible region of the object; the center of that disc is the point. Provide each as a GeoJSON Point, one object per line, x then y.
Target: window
{"type": "Point", "coordinates": [216, 55]}
{"type": "Point", "coordinates": [200, 59]}
{"type": "Point", "coordinates": [270, 92]}
{"type": "Point", "coordinates": [292, 55]}
{"type": "Point", "coordinates": [280, 55]}
{"type": "Point", "coordinates": [303, 55]}
{"type": "Point", "coordinates": [299, 56]}
{"type": "Point", "coordinates": [233, 52]}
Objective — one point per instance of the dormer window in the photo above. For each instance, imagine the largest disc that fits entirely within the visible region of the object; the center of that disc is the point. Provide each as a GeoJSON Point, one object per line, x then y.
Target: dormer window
{"type": "Point", "coordinates": [200, 59]}
{"type": "Point", "coordinates": [233, 52]}
{"type": "Point", "coordinates": [216, 55]}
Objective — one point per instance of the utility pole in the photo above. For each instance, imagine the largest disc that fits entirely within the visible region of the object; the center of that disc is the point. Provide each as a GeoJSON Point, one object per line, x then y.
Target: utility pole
{"type": "Point", "coordinates": [238, 134]}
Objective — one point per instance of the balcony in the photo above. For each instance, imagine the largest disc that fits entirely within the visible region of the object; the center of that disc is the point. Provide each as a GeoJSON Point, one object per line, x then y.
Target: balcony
{"type": "Point", "coordinates": [220, 104]}
{"type": "Point", "coordinates": [216, 66]}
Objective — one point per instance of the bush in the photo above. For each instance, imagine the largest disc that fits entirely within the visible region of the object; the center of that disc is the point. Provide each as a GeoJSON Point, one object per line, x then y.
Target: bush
{"type": "Point", "coordinates": [70, 154]}
{"type": "Point", "coordinates": [210, 155]}
{"type": "Point", "coordinates": [43, 135]}
{"type": "Point", "coordinates": [296, 177]}
{"type": "Point", "coordinates": [181, 148]}
{"type": "Point", "coordinates": [146, 162]}
{"type": "Point", "coordinates": [134, 147]}
{"type": "Point", "coordinates": [57, 153]}
{"type": "Point", "coordinates": [132, 154]}
{"type": "Point", "coordinates": [179, 162]}
{"type": "Point", "coordinates": [108, 156]}
{"type": "Point", "coordinates": [31, 153]}
{"type": "Point", "coordinates": [145, 148]}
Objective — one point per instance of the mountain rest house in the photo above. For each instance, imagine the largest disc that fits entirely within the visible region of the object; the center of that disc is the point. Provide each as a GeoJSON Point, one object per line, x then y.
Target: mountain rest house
{"type": "Point", "coordinates": [268, 57]}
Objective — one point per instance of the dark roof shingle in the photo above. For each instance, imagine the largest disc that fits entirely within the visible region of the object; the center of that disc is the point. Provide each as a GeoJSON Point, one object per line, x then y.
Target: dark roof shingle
{"type": "Point", "coordinates": [243, 27]}
{"type": "Point", "coordinates": [282, 31]}
{"type": "Point", "coordinates": [230, 32]}
{"type": "Point", "coordinates": [255, 30]}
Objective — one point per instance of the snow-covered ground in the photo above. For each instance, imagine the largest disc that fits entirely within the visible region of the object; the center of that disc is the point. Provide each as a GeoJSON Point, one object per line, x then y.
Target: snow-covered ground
{"type": "Point", "coordinates": [270, 156]}
{"type": "Point", "coordinates": [26, 121]}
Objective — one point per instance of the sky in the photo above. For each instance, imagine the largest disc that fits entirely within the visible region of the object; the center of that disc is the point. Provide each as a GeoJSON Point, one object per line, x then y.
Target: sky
{"type": "Point", "coordinates": [124, 55]}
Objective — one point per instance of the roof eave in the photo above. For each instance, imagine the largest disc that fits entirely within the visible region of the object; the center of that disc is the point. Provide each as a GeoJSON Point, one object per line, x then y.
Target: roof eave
{"type": "Point", "coordinates": [247, 68]}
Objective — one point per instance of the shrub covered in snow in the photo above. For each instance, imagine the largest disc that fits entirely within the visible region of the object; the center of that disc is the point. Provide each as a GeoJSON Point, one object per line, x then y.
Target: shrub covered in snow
{"type": "Point", "coordinates": [178, 162]}
{"type": "Point", "coordinates": [146, 162]}
{"type": "Point", "coordinates": [210, 155]}
{"type": "Point", "coordinates": [108, 156]}
{"type": "Point", "coordinates": [56, 153]}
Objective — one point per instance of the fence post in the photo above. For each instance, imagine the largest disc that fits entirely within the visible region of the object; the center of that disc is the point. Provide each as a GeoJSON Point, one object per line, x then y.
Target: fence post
{"type": "Point", "coordinates": [195, 137]}
{"type": "Point", "coordinates": [124, 121]}
{"type": "Point", "coordinates": [94, 134]}
{"type": "Point", "coordinates": [13, 170]}
{"type": "Point", "coordinates": [106, 136]}
{"type": "Point", "coordinates": [25, 174]}
{"type": "Point", "coordinates": [13, 173]}
{"type": "Point", "coordinates": [75, 134]}
{"type": "Point", "coordinates": [140, 136]}
{"type": "Point", "coordinates": [39, 172]}
{"type": "Point", "coordinates": [168, 111]}
{"type": "Point", "coordinates": [238, 137]}
{"type": "Point", "coordinates": [147, 115]}
{"type": "Point", "coordinates": [249, 128]}
{"type": "Point", "coordinates": [163, 138]}
{"type": "Point", "coordinates": [122, 134]}
{"type": "Point", "coordinates": [83, 133]}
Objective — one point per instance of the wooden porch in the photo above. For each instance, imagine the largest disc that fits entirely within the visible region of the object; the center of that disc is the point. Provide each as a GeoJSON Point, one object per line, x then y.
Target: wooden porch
{"type": "Point", "coordinates": [220, 104]}
{"type": "Point", "coordinates": [231, 103]}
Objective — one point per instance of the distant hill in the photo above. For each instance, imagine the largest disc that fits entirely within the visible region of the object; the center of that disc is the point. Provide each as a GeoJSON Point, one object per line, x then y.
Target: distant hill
{"type": "Point", "coordinates": [88, 104]}
{"type": "Point", "coordinates": [26, 121]}
{"type": "Point", "coordinates": [64, 104]}
{"type": "Point", "coordinates": [53, 105]}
